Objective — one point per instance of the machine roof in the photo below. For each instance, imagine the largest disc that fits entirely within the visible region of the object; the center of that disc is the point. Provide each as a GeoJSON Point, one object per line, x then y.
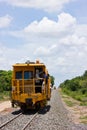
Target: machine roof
{"type": "Point", "coordinates": [28, 64]}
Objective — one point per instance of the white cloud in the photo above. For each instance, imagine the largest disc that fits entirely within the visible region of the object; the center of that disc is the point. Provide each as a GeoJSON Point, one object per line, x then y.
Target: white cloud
{"type": "Point", "coordinates": [64, 23]}
{"type": "Point", "coordinates": [47, 28]}
{"type": "Point", "coordinates": [47, 5]}
{"type": "Point", "coordinates": [74, 40]}
{"type": "Point", "coordinates": [81, 30]}
{"type": "Point", "coordinates": [44, 51]}
{"type": "Point", "coordinates": [5, 21]}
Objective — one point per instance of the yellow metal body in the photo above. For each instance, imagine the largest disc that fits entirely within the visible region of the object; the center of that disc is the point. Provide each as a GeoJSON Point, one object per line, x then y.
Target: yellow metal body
{"type": "Point", "coordinates": [27, 89]}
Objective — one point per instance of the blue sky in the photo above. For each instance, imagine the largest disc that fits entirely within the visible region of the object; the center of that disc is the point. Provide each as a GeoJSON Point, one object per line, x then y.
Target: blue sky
{"type": "Point", "coordinates": [53, 31]}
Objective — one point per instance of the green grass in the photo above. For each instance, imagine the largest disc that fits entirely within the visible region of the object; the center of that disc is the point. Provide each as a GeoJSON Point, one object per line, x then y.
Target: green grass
{"type": "Point", "coordinates": [5, 95]}
{"type": "Point", "coordinates": [77, 95]}
{"type": "Point", "coordinates": [68, 99]}
{"type": "Point", "coordinates": [83, 104]}
{"type": "Point", "coordinates": [69, 103]}
{"type": "Point", "coordinates": [83, 119]}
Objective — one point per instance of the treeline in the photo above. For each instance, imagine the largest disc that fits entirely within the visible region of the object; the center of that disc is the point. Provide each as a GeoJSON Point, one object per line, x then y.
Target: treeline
{"type": "Point", "coordinates": [5, 80]}
{"type": "Point", "coordinates": [76, 87]}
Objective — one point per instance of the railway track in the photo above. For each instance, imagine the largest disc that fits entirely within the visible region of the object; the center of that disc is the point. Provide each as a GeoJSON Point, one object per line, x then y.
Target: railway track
{"type": "Point", "coordinates": [7, 122]}
{"type": "Point", "coordinates": [30, 121]}
{"type": "Point", "coordinates": [25, 121]}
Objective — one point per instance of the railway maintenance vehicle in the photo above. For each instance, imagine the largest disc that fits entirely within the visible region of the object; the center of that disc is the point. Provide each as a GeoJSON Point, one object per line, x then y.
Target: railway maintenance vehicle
{"type": "Point", "coordinates": [30, 85]}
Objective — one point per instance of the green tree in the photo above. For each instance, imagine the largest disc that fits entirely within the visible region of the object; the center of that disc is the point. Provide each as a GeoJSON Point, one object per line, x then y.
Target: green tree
{"type": "Point", "coordinates": [85, 74]}
{"type": "Point", "coordinates": [5, 80]}
{"type": "Point", "coordinates": [52, 80]}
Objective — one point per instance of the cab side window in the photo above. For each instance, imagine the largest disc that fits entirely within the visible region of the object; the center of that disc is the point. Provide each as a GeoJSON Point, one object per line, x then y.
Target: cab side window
{"type": "Point", "coordinates": [28, 74]}
{"type": "Point", "coordinates": [18, 75]}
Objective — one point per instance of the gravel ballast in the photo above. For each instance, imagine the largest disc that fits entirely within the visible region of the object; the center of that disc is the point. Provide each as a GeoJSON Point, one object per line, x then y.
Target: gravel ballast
{"type": "Point", "coordinates": [54, 117]}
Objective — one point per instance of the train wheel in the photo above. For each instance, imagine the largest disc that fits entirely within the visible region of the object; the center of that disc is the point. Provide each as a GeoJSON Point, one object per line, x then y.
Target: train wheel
{"type": "Point", "coordinates": [12, 104]}
{"type": "Point", "coordinates": [23, 108]}
{"type": "Point", "coordinates": [37, 106]}
{"type": "Point", "coordinates": [43, 103]}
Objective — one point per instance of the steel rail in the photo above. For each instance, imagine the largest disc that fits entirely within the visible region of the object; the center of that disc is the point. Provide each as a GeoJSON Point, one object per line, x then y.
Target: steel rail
{"type": "Point", "coordinates": [29, 121]}
{"type": "Point", "coordinates": [7, 122]}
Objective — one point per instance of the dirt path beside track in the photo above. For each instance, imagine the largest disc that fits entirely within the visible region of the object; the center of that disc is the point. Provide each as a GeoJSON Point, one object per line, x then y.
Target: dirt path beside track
{"type": "Point", "coordinates": [4, 105]}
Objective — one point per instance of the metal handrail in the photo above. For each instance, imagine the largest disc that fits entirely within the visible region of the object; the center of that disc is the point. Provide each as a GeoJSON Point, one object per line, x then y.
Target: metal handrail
{"type": "Point", "coordinates": [22, 85]}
